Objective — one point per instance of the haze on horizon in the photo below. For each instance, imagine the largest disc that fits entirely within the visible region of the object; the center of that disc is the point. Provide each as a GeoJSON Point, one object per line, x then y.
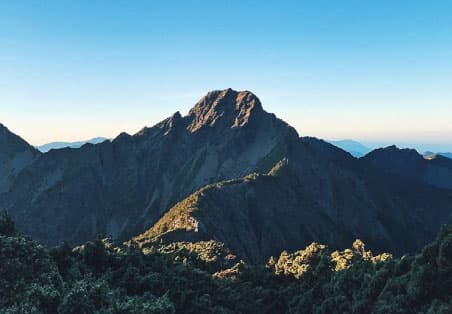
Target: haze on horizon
{"type": "Point", "coordinates": [374, 72]}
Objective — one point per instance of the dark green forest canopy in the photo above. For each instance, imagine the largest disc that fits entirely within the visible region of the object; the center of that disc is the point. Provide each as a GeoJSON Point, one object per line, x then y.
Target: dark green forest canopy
{"type": "Point", "coordinates": [206, 278]}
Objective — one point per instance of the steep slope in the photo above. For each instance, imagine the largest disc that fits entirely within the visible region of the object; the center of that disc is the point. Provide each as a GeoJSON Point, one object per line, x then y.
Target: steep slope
{"type": "Point", "coordinates": [408, 164]}
{"type": "Point", "coordinates": [317, 195]}
{"type": "Point", "coordinates": [120, 188]}
{"type": "Point", "coordinates": [15, 155]}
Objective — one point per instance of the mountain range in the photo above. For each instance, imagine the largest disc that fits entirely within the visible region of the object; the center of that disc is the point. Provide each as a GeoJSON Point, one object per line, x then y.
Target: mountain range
{"type": "Point", "coordinates": [58, 145]}
{"type": "Point", "coordinates": [359, 150]}
{"type": "Point", "coordinates": [227, 171]}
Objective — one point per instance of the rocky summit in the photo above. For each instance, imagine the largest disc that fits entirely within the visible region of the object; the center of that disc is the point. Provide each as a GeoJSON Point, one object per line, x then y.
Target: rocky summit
{"type": "Point", "coordinates": [228, 108]}
{"type": "Point", "coordinates": [227, 171]}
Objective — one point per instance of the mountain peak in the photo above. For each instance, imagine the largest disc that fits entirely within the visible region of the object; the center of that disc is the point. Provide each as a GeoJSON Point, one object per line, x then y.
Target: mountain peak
{"type": "Point", "coordinates": [235, 108]}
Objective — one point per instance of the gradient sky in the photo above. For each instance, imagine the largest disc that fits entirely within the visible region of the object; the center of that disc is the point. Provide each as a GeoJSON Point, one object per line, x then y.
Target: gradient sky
{"type": "Point", "coordinates": [374, 71]}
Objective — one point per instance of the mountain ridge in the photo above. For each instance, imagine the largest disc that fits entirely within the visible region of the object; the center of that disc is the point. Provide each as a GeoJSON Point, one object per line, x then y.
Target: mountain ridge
{"type": "Point", "coordinates": [409, 164]}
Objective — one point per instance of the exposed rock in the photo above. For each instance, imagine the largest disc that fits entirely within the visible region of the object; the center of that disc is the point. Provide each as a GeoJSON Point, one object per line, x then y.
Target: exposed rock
{"type": "Point", "coordinates": [228, 107]}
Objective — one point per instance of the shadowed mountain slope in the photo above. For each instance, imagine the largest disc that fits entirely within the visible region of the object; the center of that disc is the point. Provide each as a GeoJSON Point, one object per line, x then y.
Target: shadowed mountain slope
{"type": "Point", "coordinates": [317, 194]}
{"type": "Point", "coordinates": [15, 155]}
{"type": "Point", "coordinates": [410, 165]}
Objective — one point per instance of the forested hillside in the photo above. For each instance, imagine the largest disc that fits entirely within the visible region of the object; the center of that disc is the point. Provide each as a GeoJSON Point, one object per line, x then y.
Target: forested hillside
{"type": "Point", "coordinates": [204, 278]}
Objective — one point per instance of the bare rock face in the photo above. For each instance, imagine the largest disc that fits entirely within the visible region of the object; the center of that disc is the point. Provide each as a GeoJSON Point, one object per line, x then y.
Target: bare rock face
{"type": "Point", "coordinates": [228, 107]}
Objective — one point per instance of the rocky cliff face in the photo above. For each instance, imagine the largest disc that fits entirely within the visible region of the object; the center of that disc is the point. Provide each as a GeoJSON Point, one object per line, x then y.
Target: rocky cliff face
{"type": "Point", "coordinates": [120, 188]}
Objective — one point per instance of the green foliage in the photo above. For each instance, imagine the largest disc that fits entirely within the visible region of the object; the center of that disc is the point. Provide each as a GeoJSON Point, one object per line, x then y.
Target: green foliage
{"type": "Point", "coordinates": [206, 255]}
{"type": "Point", "coordinates": [195, 278]}
{"type": "Point", "coordinates": [298, 263]}
{"type": "Point", "coordinates": [29, 279]}
{"type": "Point", "coordinates": [179, 217]}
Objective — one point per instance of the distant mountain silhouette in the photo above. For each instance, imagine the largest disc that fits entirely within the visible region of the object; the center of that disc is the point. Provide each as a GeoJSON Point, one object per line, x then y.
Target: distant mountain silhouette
{"type": "Point", "coordinates": [353, 147]}
{"type": "Point", "coordinates": [232, 172]}
{"type": "Point", "coordinates": [58, 145]}
{"type": "Point", "coordinates": [431, 155]}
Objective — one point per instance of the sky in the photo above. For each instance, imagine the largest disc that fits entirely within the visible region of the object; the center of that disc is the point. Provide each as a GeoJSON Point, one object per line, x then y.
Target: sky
{"type": "Point", "coordinates": [373, 71]}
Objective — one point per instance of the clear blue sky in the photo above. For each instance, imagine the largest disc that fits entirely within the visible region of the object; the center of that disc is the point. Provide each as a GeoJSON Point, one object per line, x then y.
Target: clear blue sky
{"type": "Point", "coordinates": [375, 71]}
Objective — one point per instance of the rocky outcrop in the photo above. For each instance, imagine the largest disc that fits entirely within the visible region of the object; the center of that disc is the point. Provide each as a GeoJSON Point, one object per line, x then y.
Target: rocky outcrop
{"type": "Point", "coordinates": [230, 108]}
